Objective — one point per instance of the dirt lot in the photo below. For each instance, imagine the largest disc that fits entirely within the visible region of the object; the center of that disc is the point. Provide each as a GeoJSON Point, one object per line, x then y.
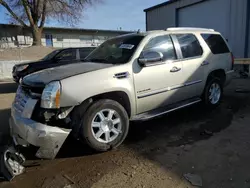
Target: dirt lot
{"type": "Point", "coordinates": [214, 145]}
{"type": "Point", "coordinates": [26, 53]}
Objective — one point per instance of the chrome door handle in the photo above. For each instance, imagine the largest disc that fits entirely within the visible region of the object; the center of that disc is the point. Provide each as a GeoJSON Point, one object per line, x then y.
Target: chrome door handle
{"type": "Point", "coordinates": [175, 69]}
{"type": "Point", "coordinates": [205, 63]}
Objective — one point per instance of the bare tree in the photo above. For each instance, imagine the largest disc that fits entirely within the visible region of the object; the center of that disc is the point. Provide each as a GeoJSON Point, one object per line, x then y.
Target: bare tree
{"type": "Point", "coordinates": [33, 13]}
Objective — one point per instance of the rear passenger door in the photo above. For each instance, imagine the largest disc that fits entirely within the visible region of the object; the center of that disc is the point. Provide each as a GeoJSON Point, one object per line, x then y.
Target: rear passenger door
{"type": "Point", "coordinates": [192, 58]}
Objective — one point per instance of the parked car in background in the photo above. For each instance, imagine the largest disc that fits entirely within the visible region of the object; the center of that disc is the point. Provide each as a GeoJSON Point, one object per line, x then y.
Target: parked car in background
{"type": "Point", "coordinates": [133, 77]}
{"type": "Point", "coordinates": [56, 58]}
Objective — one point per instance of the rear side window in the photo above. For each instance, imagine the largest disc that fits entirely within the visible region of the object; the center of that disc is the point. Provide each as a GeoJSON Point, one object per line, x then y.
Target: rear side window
{"type": "Point", "coordinates": [216, 43]}
{"type": "Point", "coordinates": [162, 44]}
{"type": "Point", "coordinates": [84, 52]}
{"type": "Point", "coordinates": [190, 46]}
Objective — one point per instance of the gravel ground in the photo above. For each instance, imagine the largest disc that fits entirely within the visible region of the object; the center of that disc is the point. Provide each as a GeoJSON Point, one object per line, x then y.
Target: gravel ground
{"type": "Point", "coordinates": [214, 145]}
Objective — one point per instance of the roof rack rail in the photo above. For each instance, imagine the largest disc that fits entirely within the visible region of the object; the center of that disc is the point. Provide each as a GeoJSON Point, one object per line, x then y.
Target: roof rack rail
{"type": "Point", "coordinates": [188, 28]}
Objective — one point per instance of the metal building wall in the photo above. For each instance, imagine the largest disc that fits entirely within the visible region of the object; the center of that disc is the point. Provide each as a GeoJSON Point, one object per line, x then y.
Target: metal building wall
{"type": "Point", "coordinates": [247, 50]}
{"type": "Point", "coordinates": [204, 14]}
{"type": "Point", "coordinates": [161, 18]}
{"type": "Point", "coordinates": [167, 16]}
{"type": "Point", "coordinates": [238, 27]}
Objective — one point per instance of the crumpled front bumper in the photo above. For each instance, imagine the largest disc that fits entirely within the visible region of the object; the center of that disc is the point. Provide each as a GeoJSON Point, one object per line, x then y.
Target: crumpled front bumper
{"type": "Point", "coordinates": [25, 131]}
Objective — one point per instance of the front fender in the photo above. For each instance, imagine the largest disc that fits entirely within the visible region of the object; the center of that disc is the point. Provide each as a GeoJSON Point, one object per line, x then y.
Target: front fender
{"type": "Point", "coordinates": [78, 88]}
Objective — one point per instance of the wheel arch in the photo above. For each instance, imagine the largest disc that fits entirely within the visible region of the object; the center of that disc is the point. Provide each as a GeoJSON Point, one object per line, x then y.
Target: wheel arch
{"type": "Point", "coordinates": [119, 96]}
{"type": "Point", "coordinates": [218, 73]}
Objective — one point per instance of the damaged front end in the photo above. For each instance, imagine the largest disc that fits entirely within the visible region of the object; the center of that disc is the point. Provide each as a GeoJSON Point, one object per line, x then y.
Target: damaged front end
{"type": "Point", "coordinates": [41, 127]}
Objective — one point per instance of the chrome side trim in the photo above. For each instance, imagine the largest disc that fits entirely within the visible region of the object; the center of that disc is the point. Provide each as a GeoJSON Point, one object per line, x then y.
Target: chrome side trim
{"type": "Point", "coordinates": [156, 92]}
{"type": "Point", "coordinates": [168, 89]}
{"type": "Point", "coordinates": [171, 110]}
{"type": "Point", "coordinates": [176, 87]}
{"type": "Point", "coordinates": [192, 83]}
{"type": "Point", "coordinates": [230, 72]}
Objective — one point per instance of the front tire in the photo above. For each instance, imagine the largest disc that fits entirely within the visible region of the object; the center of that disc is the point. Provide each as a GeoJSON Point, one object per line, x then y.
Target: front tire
{"type": "Point", "coordinates": [105, 125]}
{"type": "Point", "coordinates": [213, 92]}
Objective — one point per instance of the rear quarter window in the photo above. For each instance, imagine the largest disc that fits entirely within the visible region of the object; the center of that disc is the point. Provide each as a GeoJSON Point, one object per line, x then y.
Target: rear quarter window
{"type": "Point", "coordinates": [216, 43]}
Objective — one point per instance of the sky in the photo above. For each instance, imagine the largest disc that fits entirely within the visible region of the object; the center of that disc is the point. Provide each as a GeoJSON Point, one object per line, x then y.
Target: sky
{"type": "Point", "coordinates": [110, 14]}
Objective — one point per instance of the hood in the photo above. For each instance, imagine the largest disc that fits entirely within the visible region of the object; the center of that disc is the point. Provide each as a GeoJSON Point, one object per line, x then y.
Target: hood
{"type": "Point", "coordinates": [30, 62]}
{"type": "Point", "coordinates": [43, 77]}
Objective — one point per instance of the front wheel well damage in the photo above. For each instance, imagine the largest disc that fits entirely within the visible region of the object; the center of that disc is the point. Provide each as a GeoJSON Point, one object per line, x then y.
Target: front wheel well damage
{"type": "Point", "coordinates": [118, 96]}
{"type": "Point", "coordinates": [78, 112]}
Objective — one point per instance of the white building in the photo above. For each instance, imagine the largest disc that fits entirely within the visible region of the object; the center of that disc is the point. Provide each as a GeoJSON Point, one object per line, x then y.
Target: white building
{"type": "Point", "coordinates": [230, 17]}
{"type": "Point", "coordinates": [13, 35]}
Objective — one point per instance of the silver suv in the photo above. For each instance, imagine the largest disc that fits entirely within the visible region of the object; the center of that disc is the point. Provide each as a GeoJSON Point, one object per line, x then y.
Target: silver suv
{"type": "Point", "coordinates": [133, 77]}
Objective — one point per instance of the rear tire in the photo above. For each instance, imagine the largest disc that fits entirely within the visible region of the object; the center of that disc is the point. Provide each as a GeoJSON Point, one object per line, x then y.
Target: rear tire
{"type": "Point", "coordinates": [213, 92]}
{"type": "Point", "coordinates": [105, 125]}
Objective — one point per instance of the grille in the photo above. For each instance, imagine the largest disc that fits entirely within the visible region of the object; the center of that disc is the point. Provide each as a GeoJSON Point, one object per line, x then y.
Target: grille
{"type": "Point", "coordinates": [20, 100]}
{"type": "Point", "coordinates": [28, 89]}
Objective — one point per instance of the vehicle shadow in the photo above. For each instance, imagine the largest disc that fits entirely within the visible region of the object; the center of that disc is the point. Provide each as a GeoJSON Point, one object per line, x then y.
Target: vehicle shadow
{"type": "Point", "coordinates": [8, 87]}
{"type": "Point", "coordinates": [187, 125]}
{"type": "Point", "coordinates": [144, 133]}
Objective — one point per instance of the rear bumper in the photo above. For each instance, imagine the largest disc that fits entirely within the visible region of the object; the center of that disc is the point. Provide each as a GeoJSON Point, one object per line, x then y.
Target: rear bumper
{"type": "Point", "coordinates": [229, 77]}
{"type": "Point", "coordinates": [25, 131]}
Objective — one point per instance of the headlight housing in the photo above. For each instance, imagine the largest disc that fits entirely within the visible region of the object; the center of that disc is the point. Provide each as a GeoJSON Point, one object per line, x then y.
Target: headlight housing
{"type": "Point", "coordinates": [21, 67]}
{"type": "Point", "coordinates": [51, 95]}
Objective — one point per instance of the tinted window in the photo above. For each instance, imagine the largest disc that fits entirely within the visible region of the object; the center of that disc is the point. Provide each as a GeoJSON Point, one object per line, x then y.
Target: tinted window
{"type": "Point", "coordinates": [161, 44]}
{"type": "Point", "coordinates": [216, 43]}
{"type": "Point", "coordinates": [190, 46]}
{"type": "Point", "coordinates": [67, 55]}
{"type": "Point", "coordinates": [84, 52]}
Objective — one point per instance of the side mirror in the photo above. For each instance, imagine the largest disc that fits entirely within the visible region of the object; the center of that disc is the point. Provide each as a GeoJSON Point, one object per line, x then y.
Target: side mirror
{"type": "Point", "coordinates": [149, 58]}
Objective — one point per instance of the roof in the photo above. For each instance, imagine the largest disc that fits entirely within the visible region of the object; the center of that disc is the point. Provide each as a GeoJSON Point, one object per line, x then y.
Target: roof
{"type": "Point", "coordinates": [74, 29]}
{"type": "Point", "coordinates": [179, 30]}
{"type": "Point", "coordinates": [160, 5]}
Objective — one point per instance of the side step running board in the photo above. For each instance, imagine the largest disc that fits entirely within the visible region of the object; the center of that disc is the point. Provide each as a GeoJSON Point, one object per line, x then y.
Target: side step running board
{"type": "Point", "coordinates": [164, 110]}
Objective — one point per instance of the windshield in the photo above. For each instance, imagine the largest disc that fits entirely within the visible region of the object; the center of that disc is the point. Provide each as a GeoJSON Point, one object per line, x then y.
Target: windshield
{"type": "Point", "coordinates": [51, 55]}
{"type": "Point", "coordinates": [116, 51]}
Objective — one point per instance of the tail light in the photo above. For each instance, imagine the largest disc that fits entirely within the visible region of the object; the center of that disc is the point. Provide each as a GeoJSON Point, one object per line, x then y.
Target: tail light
{"type": "Point", "coordinates": [232, 58]}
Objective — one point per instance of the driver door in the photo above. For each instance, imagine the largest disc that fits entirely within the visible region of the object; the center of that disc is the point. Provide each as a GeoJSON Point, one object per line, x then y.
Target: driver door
{"type": "Point", "coordinates": [156, 85]}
